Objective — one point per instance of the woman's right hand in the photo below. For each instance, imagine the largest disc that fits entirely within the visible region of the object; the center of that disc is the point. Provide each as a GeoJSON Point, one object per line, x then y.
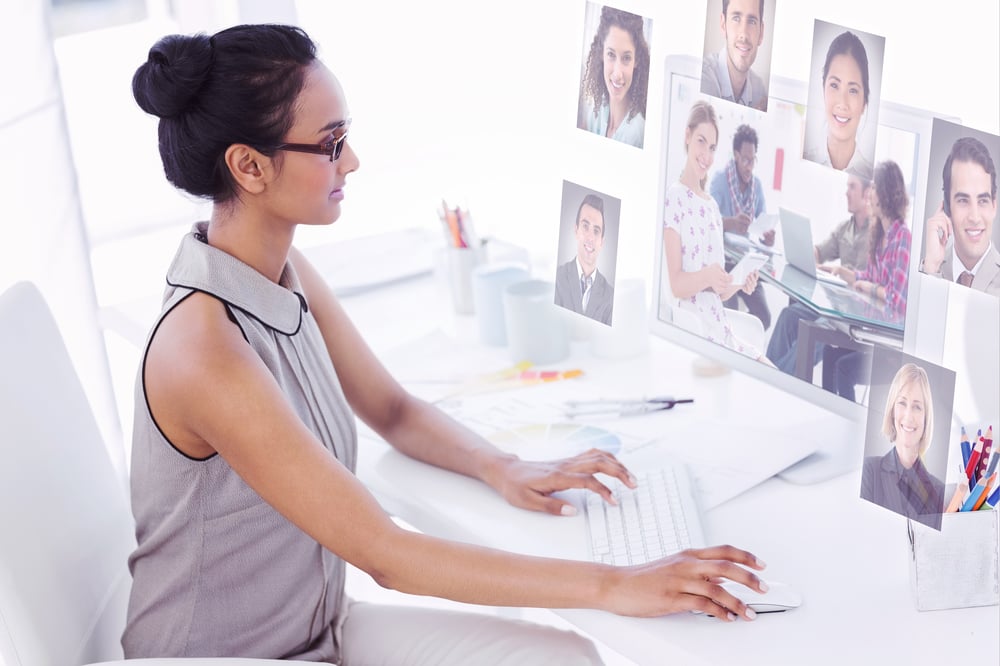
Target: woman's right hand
{"type": "Point", "coordinates": [686, 581]}
{"type": "Point", "coordinates": [717, 279]}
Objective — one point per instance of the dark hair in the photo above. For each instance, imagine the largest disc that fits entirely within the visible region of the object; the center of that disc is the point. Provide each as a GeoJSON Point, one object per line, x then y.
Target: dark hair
{"type": "Point", "coordinates": [744, 133]}
{"type": "Point", "coordinates": [968, 149]}
{"type": "Point", "coordinates": [593, 85]}
{"type": "Point", "coordinates": [725, 8]}
{"type": "Point", "coordinates": [596, 203]}
{"type": "Point", "coordinates": [237, 86]}
{"type": "Point", "coordinates": [847, 43]}
{"type": "Point", "coordinates": [892, 199]}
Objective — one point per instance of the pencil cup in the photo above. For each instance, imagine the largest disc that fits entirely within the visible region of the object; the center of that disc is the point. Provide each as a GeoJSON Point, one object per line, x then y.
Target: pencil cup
{"type": "Point", "coordinates": [461, 262]}
{"type": "Point", "coordinates": [488, 284]}
{"type": "Point", "coordinates": [535, 330]}
{"type": "Point", "coordinates": [956, 567]}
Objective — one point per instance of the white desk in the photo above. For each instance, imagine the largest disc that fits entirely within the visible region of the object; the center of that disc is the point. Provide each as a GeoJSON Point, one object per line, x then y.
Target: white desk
{"type": "Point", "coordinates": [848, 558]}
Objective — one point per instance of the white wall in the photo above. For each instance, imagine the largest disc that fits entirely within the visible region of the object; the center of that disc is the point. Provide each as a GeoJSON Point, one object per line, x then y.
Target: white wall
{"type": "Point", "coordinates": [451, 96]}
{"type": "Point", "coordinates": [43, 238]}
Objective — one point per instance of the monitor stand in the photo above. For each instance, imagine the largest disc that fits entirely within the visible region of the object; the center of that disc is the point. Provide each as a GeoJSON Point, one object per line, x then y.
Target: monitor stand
{"type": "Point", "coordinates": [840, 450]}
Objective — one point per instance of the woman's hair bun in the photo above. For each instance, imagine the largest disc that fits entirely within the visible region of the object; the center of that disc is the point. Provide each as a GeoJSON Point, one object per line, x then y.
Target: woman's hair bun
{"type": "Point", "coordinates": [167, 84]}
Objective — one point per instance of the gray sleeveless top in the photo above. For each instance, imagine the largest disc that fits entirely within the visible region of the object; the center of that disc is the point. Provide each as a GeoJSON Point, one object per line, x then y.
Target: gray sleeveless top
{"type": "Point", "coordinates": [217, 571]}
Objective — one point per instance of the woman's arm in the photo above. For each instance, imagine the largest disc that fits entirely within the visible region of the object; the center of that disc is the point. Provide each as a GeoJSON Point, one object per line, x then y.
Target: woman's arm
{"type": "Point", "coordinates": [685, 284]}
{"type": "Point", "coordinates": [210, 392]}
{"type": "Point", "coordinates": [425, 433]}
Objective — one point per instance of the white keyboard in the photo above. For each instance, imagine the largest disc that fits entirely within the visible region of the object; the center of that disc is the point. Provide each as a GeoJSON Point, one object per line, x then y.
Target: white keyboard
{"type": "Point", "coordinates": [660, 517]}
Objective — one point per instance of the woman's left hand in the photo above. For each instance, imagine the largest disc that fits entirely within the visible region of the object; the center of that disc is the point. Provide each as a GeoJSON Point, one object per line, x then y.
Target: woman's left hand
{"type": "Point", "coordinates": [529, 484]}
{"type": "Point", "coordinates": [751, 283]}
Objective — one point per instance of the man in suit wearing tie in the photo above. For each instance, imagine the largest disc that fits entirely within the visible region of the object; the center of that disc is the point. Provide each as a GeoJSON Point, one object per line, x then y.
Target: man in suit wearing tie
{"type": "Point", "coordinates": [966, 215]}
{"type": "Point", "coordinates": [580, 287]}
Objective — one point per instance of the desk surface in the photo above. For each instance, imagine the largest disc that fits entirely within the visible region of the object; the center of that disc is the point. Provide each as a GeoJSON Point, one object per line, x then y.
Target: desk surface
{"type": "Point", "coordinates": [848, 558]}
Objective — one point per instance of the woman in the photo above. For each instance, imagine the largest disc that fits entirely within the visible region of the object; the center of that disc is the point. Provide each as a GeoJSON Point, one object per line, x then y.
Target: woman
{"type": "Point", "coordinates": [616, 78]}
{"type": "Point", "coordinates": [845, 100]}
{"type": "Point", "coordinates": [899, 480]}
{"type": "Point", "coordinates": [692, 237]}
{"type": "Point", "coordinates": [244, 442]}
{"type": "Point", "coordinates": [885, 278]}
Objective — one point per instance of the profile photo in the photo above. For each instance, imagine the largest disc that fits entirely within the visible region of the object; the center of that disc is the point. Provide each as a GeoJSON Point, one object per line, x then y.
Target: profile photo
{"type": "Point", "coordinates": [614, 77]}
{"type": "Point", "coordinates": [845, 82]}
{"type": "Point", "coordinates": [736, 62]}
{"type": "Point", "coordinates": [587, 252]}
{"type": "Point", "coordinates": [960, 235]}
{"type": "Point", "coordinates": [906, 443]}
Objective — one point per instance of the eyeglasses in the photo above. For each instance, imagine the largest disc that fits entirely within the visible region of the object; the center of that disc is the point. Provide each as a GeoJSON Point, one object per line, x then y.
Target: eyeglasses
{"type": "Point", "coordinates": [747, 161]}
{"type": "Point", "coordinates": [333, 147]}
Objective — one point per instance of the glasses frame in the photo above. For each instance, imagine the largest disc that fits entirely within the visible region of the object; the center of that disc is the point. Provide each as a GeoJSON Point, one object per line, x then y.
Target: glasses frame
{"type": "Point", "coordinates": [333, 148]}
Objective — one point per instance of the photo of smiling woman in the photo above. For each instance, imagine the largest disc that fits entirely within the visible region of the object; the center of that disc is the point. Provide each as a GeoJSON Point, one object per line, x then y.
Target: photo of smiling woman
{"type": "Point", "coordinates": [908, 479]}
{"type": "Point", "coordinates": [615, 75]}
{"type": "Point", "coordinates": [842, 113]}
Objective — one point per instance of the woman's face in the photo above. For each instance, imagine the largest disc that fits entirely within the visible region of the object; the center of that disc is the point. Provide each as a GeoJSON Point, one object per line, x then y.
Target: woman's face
{"type": "Point", "coordinates": [619, 63]}
{"type": "Point", "coordinates": [308, 188]}
{"type": "Point", "coordinates": [844, 97]}
{"type": "Point", "coordinates": [908, 416]}
{"type": "Point", "coordinates": [701, 143]}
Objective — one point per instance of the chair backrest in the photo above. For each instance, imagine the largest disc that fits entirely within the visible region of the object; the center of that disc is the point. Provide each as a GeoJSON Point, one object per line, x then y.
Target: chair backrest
{"type": "Point", "coordinates": [65, 525]}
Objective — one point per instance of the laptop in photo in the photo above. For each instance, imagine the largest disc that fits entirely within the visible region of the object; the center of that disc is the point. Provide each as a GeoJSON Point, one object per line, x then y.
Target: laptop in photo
{"type": "Point", "coordinates": [796, 234]}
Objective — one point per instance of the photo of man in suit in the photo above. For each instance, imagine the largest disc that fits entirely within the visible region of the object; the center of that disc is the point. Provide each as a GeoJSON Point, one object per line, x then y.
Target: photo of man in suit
{"type": "Point", "coordinates": [965, 217]}
{"type": "Point", "coordinates": [580, 286]}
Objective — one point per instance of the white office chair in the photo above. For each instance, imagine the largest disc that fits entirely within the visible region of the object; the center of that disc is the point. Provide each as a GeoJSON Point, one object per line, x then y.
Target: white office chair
{"type": "Point", "coordinates": [65, 525]}
{"type": "Point", "coordinates": [747, 328]}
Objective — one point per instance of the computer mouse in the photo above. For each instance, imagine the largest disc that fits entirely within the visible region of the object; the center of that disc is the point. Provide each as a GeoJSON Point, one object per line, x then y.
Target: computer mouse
{"type": "Point", "coordinates": [779, 596]}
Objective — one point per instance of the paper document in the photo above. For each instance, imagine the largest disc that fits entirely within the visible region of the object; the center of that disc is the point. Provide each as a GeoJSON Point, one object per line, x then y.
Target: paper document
{"type": "Point", "coordinates": [764, 223]}
{"type": "Point", "coordinates": [750, 262]}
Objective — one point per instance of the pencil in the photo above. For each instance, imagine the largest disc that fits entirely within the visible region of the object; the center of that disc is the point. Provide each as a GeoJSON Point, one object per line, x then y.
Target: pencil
{"type": "Point", "coordinates": [987, 449]}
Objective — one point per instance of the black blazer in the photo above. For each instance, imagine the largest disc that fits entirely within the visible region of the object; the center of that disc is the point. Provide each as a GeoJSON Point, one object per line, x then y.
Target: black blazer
{"type": "Point", "coordinates": [914, 493]}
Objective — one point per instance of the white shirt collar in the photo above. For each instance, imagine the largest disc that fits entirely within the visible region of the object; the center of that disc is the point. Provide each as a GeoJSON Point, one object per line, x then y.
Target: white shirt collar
{"type": "Point", "coordinates": [958, 267]}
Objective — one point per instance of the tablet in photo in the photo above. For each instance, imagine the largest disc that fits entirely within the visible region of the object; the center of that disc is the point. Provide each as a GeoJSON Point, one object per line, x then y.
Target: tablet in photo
{"type": "Point", "coordinates": [587, 252]}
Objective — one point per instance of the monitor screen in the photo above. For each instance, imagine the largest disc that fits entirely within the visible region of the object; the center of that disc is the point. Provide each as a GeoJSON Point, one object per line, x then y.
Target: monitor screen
{"type": "Point", "coordinates": [821, 302]}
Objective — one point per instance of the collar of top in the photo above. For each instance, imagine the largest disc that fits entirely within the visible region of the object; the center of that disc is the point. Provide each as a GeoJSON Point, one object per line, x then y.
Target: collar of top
{"type": "Point", "coordinates": [200, 266]}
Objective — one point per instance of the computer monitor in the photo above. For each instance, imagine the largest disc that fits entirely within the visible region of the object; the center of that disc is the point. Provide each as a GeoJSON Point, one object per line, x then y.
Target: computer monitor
{"type": "Point", "coordinates": [813, 190]}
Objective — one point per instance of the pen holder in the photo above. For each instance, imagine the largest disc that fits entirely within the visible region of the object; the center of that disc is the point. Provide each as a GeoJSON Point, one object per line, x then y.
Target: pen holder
{"type": "Point", "coordinates": [956, 567]}
{"type": "Point", "coordinates": [461, 262]}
